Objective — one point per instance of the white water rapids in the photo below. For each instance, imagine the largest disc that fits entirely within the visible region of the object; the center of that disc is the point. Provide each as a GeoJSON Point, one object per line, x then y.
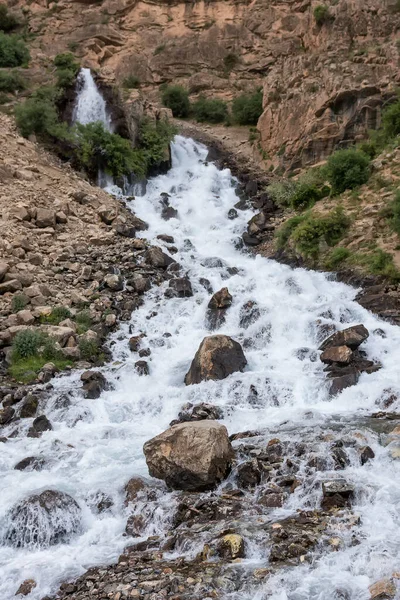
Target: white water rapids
{"type": "Point", "coordinates": [95, 446]}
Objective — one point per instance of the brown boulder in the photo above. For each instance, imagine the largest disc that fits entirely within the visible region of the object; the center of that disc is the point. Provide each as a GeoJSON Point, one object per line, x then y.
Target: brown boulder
{"type": "Point", "coordinates": [221, 299]}
{"type": "Point", "coordinates": [217, 357]}
{"type": "Point", "coordinates": [45, 218]}
{"type": "Point", "coordinates": [351, 337]}
{"type": "Point", "coordinates": [157, 258]}
{"type": "Point", "coordinates": [190, 456]}
{"type": "Point", "coordinates": [10, 286]}
{"type": "Point", "coordinates": [337, 354]}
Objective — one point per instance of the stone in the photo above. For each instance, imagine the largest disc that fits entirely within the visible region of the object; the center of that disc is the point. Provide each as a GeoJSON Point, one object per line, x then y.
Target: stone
{"type": "Point", "coordinates": [157, 258]}
{"type": "Point", "coordinates": [336, 493]}
{"type": "Point", "coordinates": [134, 343]}
{"type": "Point", "coordinates": [94, 383]}
{"type": "Point", "coordinates": [132, 489]}
{"type": "Point", "coordinates": [42, 520]}
{"type": "Point", "coordinates": [191, 456]}
{"type": "Point", "coordinates": [25, 317]}
{"type": "Point", "coordinates": [107, 215]}
{"type": "Point", "coordinates": [6, 415]}
{"type": "Point", "coordinates": [125, 230]}
{"type": "Point", "coordinates": [30, 462]}
{"type": "Point", "coordinates": [179, 287]}
{"type": "Point", "coordinates": [233, 214]}
{"type": "Point", "coordinates": [351, 337]}
{"type": "Point", "coordinates": [29, 406]}
{"type": "Point", "coordinates": [200, 412]}
{"type": "Point", "coordinates": [168, 212]}
{"type": "Point", "coordinates": [3, 269]}
{"type": "Point", "coordinates": [248, 474]}
{"type": "Point", "coordinates": [26, 587]}
{"type": "Point", "coordinates": [58, 333]}
{"type": "Point", "coordinates": [384, 589]}
{"type": "Point", "coordinates": [61, 217]}
{"type": "Point", "coordinates": [39, 426]}
{"type": "Point", "coordinates": [218, 357]}
{"type": "Point", "coordinates": [140, 283]}
{"type": "Point", "coordinates": [142, 367]}
{"type": "Point", "coordinates": [221, 299]}
{"type": "Point", "coordinates": [168, 239]}
{"type": "Point", "coordinates": [231, 546]}
{"type": "Point", "coordinates": [366, 454]}
{"type": "Point", "coordinates": [110, 320]}
{"type": "Point", "coordinates": [337, 354]}
{"type": "Point", "coordinates": [10, 286]}
{"type": "Point", "coordinates": [114, 282]}
{"type": "Point", "coordinates": [45, 218]}
{"type": "Point", "coordinates": [344, 381]}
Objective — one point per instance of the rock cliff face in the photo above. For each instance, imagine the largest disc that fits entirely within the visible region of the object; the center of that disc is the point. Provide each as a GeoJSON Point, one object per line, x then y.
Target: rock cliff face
{"type": "Point", "coordinates": [324, 85]}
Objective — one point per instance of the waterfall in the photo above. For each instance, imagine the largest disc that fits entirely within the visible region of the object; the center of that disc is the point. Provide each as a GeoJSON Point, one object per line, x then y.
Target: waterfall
{"type": "Point", "coordinates": [95, 446]}
{"type": "Point", "coordinates": [90, 104]}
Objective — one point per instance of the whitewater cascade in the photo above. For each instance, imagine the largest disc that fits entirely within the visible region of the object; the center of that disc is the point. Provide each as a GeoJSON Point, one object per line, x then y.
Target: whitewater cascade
{"type": "Point", "coordinates": [90, 105]}
{"type": "Point", "coordinates": [95, 446]}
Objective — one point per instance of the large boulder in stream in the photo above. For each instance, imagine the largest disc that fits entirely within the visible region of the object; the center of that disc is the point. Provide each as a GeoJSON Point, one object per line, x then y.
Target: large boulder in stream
{"type": "Point", "coordinates": [157, 258]}
{"type": "Point", "coordinates": [192, 456]}
{"type": "Point", "coordinates": [42, 520]}
{"type": "Point", "coordinates": [351, 337]}
{"type": "Point", "coordinates": [217, 357]}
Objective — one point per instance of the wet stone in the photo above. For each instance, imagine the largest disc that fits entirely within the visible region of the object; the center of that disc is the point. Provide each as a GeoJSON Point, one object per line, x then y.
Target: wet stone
{"type": "Point", "coordinates": [179, 287]}
{"type": "Point", "coordinates": [142, 367]}
{"type": "Point", "coordinates": [31, 463]}
{"type": "Point", "coordinates": [94, 383]}
{"type": "Point", "coordinates": [39, 426]}
{"type": "Point", "coordinates": [336, 493]}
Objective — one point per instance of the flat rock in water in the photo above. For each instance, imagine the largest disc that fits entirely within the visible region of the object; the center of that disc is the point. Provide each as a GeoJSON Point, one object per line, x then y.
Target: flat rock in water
{"type": "Point", "coordinates": [351, 337]}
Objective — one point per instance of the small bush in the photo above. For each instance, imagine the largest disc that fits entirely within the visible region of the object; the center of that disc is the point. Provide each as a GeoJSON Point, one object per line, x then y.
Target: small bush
{"type": "Point", "coordinates": [67, 69]}
{"type": "Point", "coordinates": [304, 196]}
{"type": "Point", "coordinates": [176, 98]}
{"type": "Point", "coordinates": [58, 314]}
{"type": "Point", "coordinates": [89, 350]}
{"type": "Point", "coordinates": [210, 110]}
{"type": "Point", "coordinates": [301, 193]}
{"type": "Point", "coordinates": [347, 169]}
{"type": "Point", "coordinates": [230, 61]}
{"type": "Point", "coordinates": [154, 140]}
{"type": "Point", "coordinates": [314, 230]}
{"type": "Point", "coordinates": [11, 82]}
{"type": "Point", "coordinates": [131, 82]}
{"type": "Point", "coordinates": [395, 207]}
{"type": "Point", "coordinates": [336, 257]}
{"type": "Point", "coordinates": [66, 60]}
{"type": "Point", "coordinates": [159, 49]}
{"type": "Point", "coordinates": [83, 321]}
{"type": "Point", "coordinates": [13, 51]}
{"type": "Point", "coordinates": [18, 302]}
{"type": "Point", "coordinates": [247, 108]}
{"type": "Point", "coordinates": [27, 343]}
{"type": "Point", "coordinates": [285, 231]}
{"type": "Point", "coordinates": [37, 116]}
{"type": "Point", "coordinates": [391, 120]}
{"type": "Point", "coordinates": [322, 14]}
{"type": "Point", "coordinates": [8, 21]}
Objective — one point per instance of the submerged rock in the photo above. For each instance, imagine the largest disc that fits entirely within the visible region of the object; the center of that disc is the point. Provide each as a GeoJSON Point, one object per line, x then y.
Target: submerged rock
{"type": "Point", "coordinates": [218, 357]}
{"type": "Point", "coordinates": [180, 287]}
{"type": "Point", "coordinates": [26, 587]}
{"type": "Point", "coordinates": [191, 456]}
{"type": "Point", "coordinates": [42, 520]}
{"type": "Point", "coordinates": [94, 383]}
{"type": "Point", "coordinates": [39, 425]}
{"type": "Point", "coordinates": [231, 546]}
{"type": "Point", "coordinates": [336, 493]}
{"type": "Point", "coordinates": [200, 412]}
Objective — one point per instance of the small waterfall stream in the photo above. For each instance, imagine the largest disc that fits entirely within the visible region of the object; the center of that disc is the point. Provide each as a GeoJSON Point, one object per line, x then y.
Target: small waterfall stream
{"type": "Point", "coordinates": [95, 446]}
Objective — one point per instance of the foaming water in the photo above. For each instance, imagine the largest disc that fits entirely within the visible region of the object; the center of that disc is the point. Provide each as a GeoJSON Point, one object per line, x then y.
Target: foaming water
{"type": "Point", "coordinates": [90, 104]}
{"type": "Point", "coordinates": [95, 446]}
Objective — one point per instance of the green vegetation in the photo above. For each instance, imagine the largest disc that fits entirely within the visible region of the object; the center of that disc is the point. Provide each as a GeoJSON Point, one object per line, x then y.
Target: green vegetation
{"type": "Point", "coordinates": [83, 321]}
{"type": "Point", "coordinates": [8, 21]}
{"type": "Point", "coordinates": [58, 314]}
{"type": "Point", "coordinates": [336, 257]}
{"type": "Point", "coordinates": [11, 81]}
{"type": "Point", "coordinates": [322, 14]}
{"type": "Point", "coordinates": [26, 370]}
{"type": "Point", "coordinates": [154, 140]}
{"type": "Point", "coordinates": [391, 120]}
{"type": "Point", "coordinates": [247, 108]}
{"type": "Point", "coordinates": [13, 51]}
{"type": "Point", "coordinates": [347, 169]}
{"type": "Point", "coordinates": [378, 262]}
{"type": "Point", "coordinates": [66, 70]}
{"type": "Point", "coordinates": [176, 98]}
{"type": "Point", "coordinates": [301, 193]}
{"type": "Point", "coordinates": [38, 115]}
{"type": "Point", "coordinates": [89, 350]}
{"type": "Point", "coordinates": [307, 232]}
{"type": "Point", "coordinates": [131, 82]}
{"type": "Point", "coordinates": [210, 110]}
{"type": "Point", "coordinates": [18, 302]}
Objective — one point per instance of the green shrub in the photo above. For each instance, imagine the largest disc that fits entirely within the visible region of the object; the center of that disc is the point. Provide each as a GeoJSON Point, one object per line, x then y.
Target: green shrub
{"type": "Point", "coordinates": [210, 110]}
{"type": "Point", "coordinates": [314, 230]}
{"type": "Point", "coordinates": [347, 169]}
{"type": "Point", "coordinates": [83, 321]}
{"type": "Point", "coordinates": [58, 314]}
{"type": "Point", "coordinates": [8, 21]}
{"type": "Point", "coordinates": [67, 69]}
{"type": "Point", "coordinates": [131, 82]}
{"type": "Point", "coordinates": [98, 149]}
{"type": "Point", "coordinates": [230, 61]}
{"type": "Point", "coordinates": [247, 108]}
{"type": "Point", "coordinates": [281, 192]}
{"type": "Point", "coordinates": [11, 81]}
{"type": "Point", "coordinates": [301, 193]}
{"type": "Point", "coordinates": [89, 350]}
{"type": "Point", "coordinates": [285, 231]}
{"type": "Point", "coordinates": [37, 116]}
{"type": "Point", "coordinates": [176, 98]}
{"type": "Point", "coordinates": [154, 140]}
{"type": "Point", "coordinates": [395, 207]}
{"type": "Point", "coordinates": [369, 147]}
{"type": "Point", "coordinates": [336, 257]}
{"type": "Point", "coordinates": [13, 51]}
{"type": "Point", "coordinates": [18, 302]}
{"type": "Point", "coordinates": [304, 196]}
{"type": "Point", "coordinates": [322, 14]}
{"type": "Point", "coordinates": [27, 343]}
{"type": "Point", "coordinates": [391, 120]}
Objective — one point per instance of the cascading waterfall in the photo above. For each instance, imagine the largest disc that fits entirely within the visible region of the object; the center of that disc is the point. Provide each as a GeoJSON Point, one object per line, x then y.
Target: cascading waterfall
{"type": "Point", "coordinates": [95, 446]}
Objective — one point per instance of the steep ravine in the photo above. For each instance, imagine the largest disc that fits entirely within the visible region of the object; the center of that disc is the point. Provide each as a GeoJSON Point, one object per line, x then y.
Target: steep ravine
{"type": "Point", "coordinates": [279, 315]}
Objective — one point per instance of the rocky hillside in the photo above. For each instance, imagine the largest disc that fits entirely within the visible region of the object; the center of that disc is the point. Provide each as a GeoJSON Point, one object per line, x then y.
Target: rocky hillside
{"type": "Point", "coordinates": [325, 74]}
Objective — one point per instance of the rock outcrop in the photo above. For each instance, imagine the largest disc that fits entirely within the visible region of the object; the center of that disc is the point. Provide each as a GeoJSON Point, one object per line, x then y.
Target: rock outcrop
{"type": "Point", "coordinates": [218, 357]}
{"type": "Point", "coordinates": [190, 456]}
